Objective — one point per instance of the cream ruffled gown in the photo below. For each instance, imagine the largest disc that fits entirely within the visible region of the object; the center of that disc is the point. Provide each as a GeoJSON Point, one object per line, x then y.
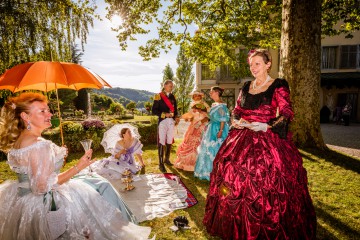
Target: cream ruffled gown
{"type": "Point", "coordinates": [24, 203]}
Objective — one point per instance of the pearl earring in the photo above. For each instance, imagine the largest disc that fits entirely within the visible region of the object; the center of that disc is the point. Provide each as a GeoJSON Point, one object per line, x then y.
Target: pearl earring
{"type": "Point", "coordinates": [28, 127]}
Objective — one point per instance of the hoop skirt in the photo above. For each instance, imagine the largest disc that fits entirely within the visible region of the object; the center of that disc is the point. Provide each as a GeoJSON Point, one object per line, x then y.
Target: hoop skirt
{"type": "Point", "coordinates": [25, 203]}
{"type": "Point", "coordinates": [187, 150]}
{"type": "Point", "coordinates": [210, 143]}
{"type": "Point", "coordinates": [258, 188]}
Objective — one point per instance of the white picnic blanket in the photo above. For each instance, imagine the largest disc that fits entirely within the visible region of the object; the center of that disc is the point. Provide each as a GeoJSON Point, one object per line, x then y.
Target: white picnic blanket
{"type": "Point", "coordinates": [153, 196]}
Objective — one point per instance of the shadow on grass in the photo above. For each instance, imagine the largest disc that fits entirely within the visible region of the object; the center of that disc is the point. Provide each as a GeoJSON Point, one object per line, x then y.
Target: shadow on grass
{"type": "Point", "coordinates": [194, 214]}
{"type": "Point", "coordinates": [336, 158]}
{"type": "Point", "coordinates": [323, 234]}
{"type": "Point", "coordinates": [322, 212]}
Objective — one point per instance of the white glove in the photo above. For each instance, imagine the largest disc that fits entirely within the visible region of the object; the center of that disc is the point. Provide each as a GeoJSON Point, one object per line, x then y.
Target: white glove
{"type": "Point", "coordinates": [259, 126]}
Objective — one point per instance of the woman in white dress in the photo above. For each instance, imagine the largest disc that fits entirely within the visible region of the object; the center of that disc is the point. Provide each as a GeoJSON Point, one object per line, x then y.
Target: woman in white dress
{"type": "Point", "coordinates": [127, 148]}
{"type": "Point", "coordinates": [25, 204]}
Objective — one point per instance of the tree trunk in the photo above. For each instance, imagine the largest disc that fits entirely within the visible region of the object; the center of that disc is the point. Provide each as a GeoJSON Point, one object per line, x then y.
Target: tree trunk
{"type": "Point", "coordinates": [300, 65]}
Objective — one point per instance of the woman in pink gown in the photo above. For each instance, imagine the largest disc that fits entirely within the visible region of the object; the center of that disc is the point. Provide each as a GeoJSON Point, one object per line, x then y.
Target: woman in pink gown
{"type": "Point", "coordinates": [187, 150]}
{"type": "Point", "coordinates": [258, 186]}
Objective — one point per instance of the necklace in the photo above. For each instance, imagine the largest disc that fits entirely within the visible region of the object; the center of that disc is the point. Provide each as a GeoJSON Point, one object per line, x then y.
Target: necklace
{"type": "Point", "coordinates": [268, 78]}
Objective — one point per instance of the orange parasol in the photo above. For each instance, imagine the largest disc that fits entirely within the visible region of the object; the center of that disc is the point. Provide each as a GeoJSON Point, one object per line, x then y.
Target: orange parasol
{"type": "Point", "coordinates": [47, 76]}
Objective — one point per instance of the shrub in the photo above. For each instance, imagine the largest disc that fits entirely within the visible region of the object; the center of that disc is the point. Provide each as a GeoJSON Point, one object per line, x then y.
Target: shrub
{"type": "Point", "coordinates": [79, 113]}
{"type": "Point", "coordinates": [127, 116]}
{"type": "Point", "coordinates": [93, 123]}
{"type": "Point", "coordinates": [72, 127]}
{"type": "Point", "coordinates": [148, 132]}
{"type": "Point", "coordinates": [74, 132]}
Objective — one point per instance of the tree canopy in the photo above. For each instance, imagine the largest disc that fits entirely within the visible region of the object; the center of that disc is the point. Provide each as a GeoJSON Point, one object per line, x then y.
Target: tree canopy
{"type": "Point", "coordinates": [221, 25]}
{"type": "Point", "coordinates": [184, 82]}
{"type": "Point", "coordinates": [168, 73]}
{"type": "Point", "coordinates": [34, 30]}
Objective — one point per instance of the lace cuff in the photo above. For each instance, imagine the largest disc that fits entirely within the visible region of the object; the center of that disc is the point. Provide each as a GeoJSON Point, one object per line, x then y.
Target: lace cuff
{"type": "Point", "coordinates": [280, 126]}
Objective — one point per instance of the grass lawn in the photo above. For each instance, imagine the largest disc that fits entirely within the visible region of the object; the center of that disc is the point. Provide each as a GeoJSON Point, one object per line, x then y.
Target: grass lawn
{"type": "Point", "coordinates": [334, 183]}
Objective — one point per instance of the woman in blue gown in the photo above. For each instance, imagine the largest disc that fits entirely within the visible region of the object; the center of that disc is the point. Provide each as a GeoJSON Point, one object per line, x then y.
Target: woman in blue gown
{"type": "Point", "coordinates": [215, 134]}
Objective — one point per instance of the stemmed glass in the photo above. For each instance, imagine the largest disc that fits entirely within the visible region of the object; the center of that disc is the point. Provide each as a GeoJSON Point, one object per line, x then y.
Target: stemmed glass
{"type": "Point", "coordinates": [87, 145]}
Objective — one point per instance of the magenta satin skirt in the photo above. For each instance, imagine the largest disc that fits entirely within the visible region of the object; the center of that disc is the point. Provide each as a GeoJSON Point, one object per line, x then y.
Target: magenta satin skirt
{"type": "Point", "coordinates": [258, 190]}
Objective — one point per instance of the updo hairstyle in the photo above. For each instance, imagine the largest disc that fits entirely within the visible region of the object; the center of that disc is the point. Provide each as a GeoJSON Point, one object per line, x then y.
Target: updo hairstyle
{"type": "Point", "coordinates": [218, 90]}
{"type": "Point", "coordinates": [11, 124]}
{"type": "Point", "coordinates": [265, 54]}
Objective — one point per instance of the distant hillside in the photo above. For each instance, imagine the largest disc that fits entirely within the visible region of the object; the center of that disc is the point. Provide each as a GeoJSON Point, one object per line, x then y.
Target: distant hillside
{"type": "Point", "coordinates": [125, 95]}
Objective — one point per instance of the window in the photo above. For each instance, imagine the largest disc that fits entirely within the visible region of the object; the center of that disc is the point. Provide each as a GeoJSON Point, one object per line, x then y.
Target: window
{"type": "Point", "coordinates": [228, 97]}
{"type": "Point", "coordinates": [328, 57]}
{"type": "Point", "coordinates": [225, 73]}
{"type": "Point", "coordinates": [349, 56]}
{"type": "Point", "coordinates": [206, 73]}
{"type": "Point", "coordinates": [207, 97]}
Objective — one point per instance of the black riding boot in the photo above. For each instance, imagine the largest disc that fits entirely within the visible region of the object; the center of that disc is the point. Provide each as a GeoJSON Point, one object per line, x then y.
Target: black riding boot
{"type": "Point", "coordinates": [167, 155]}
{"type": "Point", "coordinates": [161, 158]}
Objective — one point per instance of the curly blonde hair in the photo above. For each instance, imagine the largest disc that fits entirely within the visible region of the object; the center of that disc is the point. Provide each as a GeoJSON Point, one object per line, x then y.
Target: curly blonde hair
{"type": "Point", "coordinates": [11, 124]}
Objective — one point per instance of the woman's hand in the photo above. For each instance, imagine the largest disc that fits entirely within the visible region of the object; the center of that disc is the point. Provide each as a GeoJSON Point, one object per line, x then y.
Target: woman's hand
{"type": "Point", "coordinates": [259, 126]}
{"type": "Point", "coordinates": [219, 133]}
{"type": "Point", "coordinates": [85, 160]}
{"type": "Point", "coordinates": [237, 123]}
{"type": "Point", "coordinates": [121, 152]}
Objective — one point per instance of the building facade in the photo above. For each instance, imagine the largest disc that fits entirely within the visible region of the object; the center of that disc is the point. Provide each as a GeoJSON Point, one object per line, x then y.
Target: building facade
{"type": "Point", "coordinates": [340, 76]}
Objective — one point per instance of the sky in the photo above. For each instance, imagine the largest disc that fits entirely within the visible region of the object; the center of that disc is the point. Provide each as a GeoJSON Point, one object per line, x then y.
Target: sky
{"type": "Point", "coordinates": [124, 69]}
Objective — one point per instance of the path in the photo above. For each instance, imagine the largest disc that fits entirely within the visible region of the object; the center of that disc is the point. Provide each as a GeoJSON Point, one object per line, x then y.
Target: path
{"type": "Point", "coordinates": [341, 138]}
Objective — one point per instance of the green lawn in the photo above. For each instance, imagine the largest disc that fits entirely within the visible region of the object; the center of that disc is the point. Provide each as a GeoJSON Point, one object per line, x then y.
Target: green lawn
{"type": "Point", "coordinates": [334, 183]}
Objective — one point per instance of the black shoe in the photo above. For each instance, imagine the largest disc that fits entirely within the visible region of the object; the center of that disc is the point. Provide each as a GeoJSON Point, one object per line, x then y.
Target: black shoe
{"type": "Point", "coordinates": [161, 158]}
{"type": "Point", "coordinates": [167, 155]}
{"type": "Point", "coordinates": [167, 162]}
{"type": "Point", "coordinates": [162, 168]}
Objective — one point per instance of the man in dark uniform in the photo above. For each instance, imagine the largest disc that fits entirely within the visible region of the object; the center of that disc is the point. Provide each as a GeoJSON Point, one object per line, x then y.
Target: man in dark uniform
{"type": "Point", "coordinates": [165, 107]}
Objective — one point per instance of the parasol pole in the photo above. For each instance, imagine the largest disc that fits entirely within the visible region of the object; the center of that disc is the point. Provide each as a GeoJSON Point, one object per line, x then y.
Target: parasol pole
{"type": "Point", "coordinates": [58, 105]}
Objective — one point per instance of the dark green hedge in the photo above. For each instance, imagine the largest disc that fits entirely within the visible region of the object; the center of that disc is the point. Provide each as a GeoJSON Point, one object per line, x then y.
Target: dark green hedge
{"type": "Point", "coordinates": [73, 132]}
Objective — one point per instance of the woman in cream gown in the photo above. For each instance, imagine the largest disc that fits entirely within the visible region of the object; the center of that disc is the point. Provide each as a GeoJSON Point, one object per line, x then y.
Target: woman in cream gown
{"type": "Point", "coordinates": [25, 203]}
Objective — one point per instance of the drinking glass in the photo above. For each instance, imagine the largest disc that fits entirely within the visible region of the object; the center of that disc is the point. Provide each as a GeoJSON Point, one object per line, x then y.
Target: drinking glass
{"type": "Point", "coordinates": [87, 145]}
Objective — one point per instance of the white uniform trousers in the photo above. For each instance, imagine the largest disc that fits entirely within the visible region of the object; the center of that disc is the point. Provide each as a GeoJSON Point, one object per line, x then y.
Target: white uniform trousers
{"type": "Point", "coordinates": [166, 131]}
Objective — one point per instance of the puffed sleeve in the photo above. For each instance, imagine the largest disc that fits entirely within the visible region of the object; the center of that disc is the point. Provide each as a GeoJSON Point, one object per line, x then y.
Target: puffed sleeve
{"type": "Point", "coordinates": [41, 168]}
{"type": "Point", "coordinates": [222, 114]}
{"type": "Point", "coordinates": [60, 152]}
{"type": "Point", "coordinates": [138, 147]}
{"type": "Point", "coordinates": [280, 124]}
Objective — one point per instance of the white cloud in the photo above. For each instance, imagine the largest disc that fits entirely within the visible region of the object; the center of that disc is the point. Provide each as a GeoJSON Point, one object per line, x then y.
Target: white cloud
{"type": "Point", "coordinates": [124, 69]}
